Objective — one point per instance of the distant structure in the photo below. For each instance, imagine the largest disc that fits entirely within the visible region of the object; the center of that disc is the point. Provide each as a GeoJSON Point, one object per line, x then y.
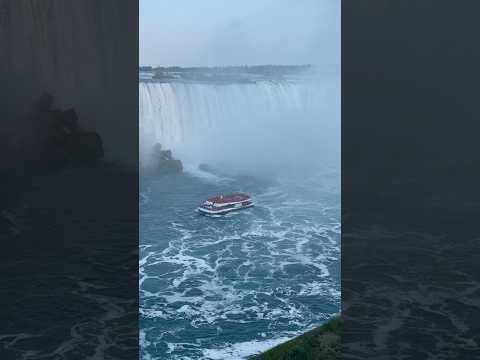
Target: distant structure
{"type": "Point", "coordinates": [226, 74]}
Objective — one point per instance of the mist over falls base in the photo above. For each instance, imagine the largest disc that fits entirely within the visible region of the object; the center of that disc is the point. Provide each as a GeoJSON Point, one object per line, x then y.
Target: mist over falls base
{"type": "Point", "coordinates": [267, 126]}
{"type": "Point", "coordinates": [161, 162]}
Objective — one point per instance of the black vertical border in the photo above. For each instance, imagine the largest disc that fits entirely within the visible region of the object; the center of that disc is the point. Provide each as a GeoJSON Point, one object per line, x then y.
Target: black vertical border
{"type": "Point", "coordinates": [68, 228]}
{"type": "Point", "coordinates": [410, 175]}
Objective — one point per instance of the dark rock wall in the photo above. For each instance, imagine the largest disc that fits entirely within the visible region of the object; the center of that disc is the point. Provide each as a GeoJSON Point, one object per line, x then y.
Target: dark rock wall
{"type": "Point", "coordinates": [68, 237]}
{"type": "Point", "coordinates": [85, 53]}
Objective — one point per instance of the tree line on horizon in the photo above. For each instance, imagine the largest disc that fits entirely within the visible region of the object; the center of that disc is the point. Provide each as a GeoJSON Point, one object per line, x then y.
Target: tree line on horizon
{"type": "Point", "coordinates": [251, 69]}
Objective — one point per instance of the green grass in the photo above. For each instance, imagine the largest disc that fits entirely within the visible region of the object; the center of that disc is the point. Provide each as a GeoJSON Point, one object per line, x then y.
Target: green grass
{"type": "Point", "coordinates": [321, 343]}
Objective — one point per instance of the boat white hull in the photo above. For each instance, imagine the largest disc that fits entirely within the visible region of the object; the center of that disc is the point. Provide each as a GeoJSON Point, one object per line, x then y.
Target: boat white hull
{"type": "Point", "coordinates": [222, 211]}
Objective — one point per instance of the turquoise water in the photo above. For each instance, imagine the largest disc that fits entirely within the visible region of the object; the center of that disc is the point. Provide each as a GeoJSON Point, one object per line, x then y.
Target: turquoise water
{"type": "Point", "coordinates": [226, 287]}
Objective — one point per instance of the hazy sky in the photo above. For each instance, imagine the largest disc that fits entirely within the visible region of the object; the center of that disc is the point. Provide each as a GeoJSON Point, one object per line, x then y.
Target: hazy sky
{"type": "Point", "coordinates": [239, 32]}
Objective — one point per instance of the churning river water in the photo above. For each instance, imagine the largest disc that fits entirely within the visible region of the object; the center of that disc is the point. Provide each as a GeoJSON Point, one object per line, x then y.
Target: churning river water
{"type": "Point", "coordinates": [227, 287]}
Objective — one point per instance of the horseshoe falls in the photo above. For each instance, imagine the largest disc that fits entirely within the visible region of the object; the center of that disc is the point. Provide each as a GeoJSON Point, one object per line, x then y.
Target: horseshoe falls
{"type": "Point", "coordinates": [228, 287]}
{"type": "Point", "coordinates": [236, 124]}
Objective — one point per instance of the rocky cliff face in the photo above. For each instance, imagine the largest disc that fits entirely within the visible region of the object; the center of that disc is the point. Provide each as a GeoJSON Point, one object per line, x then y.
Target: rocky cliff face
{"type": "Point", "coordinates": [85, 53]}
{"type": "Point", "coordinates": [54, 228]}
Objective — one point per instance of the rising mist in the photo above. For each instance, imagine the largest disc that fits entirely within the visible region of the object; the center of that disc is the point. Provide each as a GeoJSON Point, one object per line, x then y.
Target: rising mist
{"type": "Point", "coordinates": [265, 127]}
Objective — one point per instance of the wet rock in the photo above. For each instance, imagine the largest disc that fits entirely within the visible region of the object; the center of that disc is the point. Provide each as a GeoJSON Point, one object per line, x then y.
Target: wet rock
{"type": "Point", "coordinates": [164, 162]}
{"type": "Point", "coordinates": [157, 149]}
{"type": "Point", "coordinates": [170, 166]}
{"type": "Point", "coordinates": [166, 155]}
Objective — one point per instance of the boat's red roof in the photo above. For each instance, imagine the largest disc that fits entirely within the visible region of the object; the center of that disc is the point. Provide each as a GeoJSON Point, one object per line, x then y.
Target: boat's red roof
{"type": "Point", "coordinates": [222, 199]}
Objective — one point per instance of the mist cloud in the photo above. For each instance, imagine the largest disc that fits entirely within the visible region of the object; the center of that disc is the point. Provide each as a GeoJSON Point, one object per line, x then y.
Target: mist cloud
{"type": "Point", "coordinates": [214, 32]}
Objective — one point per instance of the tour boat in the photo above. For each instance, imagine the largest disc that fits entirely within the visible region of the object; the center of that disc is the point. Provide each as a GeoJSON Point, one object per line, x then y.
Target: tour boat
{"type": "Point", "coordinates": [223, 204]}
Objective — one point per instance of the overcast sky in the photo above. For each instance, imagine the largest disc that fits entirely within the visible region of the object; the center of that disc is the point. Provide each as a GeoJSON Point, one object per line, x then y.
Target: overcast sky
{"type": "Point", "coordinates": [239, 32]}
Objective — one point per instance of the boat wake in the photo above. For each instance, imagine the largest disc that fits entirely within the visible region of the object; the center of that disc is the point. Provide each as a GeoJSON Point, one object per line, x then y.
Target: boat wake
{"type": "Point", "coordinates": [240, 282]}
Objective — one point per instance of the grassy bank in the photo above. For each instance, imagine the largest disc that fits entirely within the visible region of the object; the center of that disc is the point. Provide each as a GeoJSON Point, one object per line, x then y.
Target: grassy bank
{"type": "Point", "coordinates": [321, 343]}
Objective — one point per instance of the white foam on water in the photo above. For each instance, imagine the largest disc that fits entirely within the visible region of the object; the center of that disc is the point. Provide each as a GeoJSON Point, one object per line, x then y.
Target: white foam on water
{"type": "Point", "coordinates": [232, 262]}
{"type": "Point", "coordinates": [152, 313]}
{"type": "Point", "coordinates": [193, 170]}
{"type": "Point", "coordinates": [317, 288]}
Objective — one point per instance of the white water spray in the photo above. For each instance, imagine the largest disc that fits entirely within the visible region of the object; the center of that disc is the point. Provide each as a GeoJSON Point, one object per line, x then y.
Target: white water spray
{"type": "Point", "coordinates": [249, 126]}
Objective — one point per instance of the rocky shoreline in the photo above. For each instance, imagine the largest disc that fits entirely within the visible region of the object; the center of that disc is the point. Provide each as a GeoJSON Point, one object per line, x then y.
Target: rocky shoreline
{"type": "Point", "coordinates": [161, 162]}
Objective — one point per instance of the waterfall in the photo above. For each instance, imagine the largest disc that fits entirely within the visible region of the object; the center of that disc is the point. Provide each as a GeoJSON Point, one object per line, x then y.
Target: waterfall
{"type": "Point", "coordinates": [246, 123]}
